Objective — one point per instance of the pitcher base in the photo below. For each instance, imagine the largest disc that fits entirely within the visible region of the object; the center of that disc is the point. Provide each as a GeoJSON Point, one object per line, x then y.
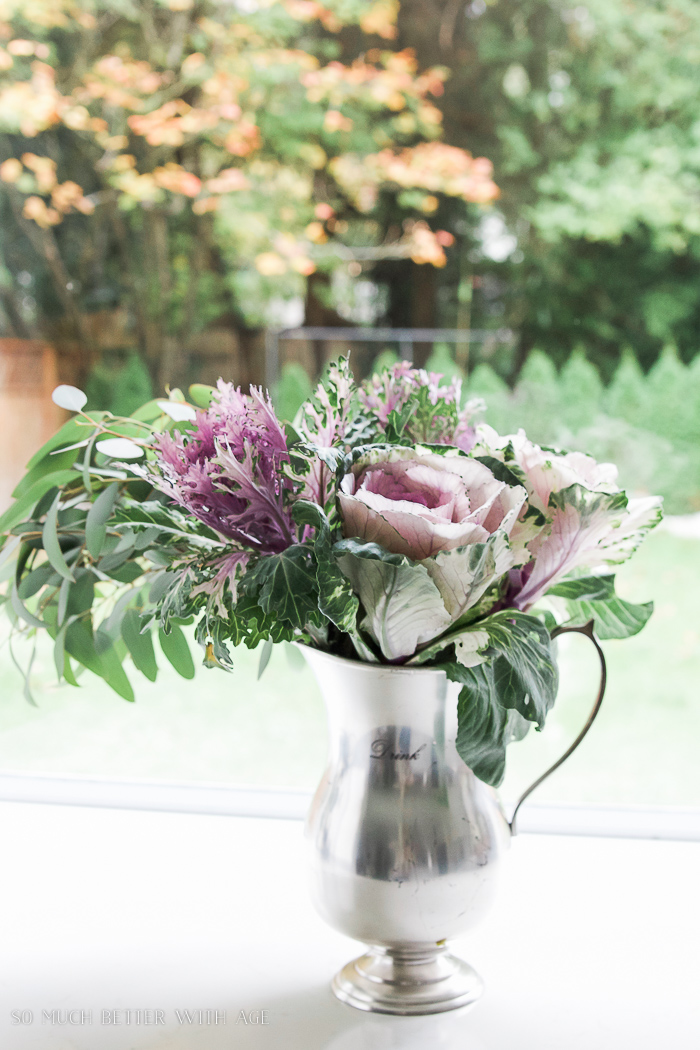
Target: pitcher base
{"type": "Point", "coordinates": [421, 980]}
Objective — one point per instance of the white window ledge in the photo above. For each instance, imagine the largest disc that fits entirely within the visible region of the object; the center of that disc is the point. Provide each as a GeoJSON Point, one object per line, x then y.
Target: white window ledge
{"type": "Point", "coordinates": [641, 822]}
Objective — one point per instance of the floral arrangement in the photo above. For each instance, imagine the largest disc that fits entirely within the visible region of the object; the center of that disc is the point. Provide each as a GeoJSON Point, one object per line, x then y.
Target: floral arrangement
{"type": "Point", "coordinates": [384, 525]}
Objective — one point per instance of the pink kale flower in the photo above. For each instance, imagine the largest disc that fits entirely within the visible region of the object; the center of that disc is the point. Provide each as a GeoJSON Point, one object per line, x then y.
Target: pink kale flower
{"type": "Point", "coordinates": [227, 471]}
{"type": "Point", "coordinates": [437, 418]}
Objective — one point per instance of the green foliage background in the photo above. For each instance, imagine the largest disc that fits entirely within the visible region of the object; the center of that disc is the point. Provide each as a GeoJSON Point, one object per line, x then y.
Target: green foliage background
{"type": "Point", "coordinates": [589, 113]}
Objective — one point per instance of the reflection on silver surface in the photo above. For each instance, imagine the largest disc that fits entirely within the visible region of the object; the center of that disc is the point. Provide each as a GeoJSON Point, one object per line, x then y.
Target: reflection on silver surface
{"type": "Point", "coordinates": [405, 842]}
{"type": "Point", "coordinates": [399, 1033]}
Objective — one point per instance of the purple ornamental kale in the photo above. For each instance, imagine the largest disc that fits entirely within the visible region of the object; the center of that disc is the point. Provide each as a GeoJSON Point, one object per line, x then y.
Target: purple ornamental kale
{"type": "Point", "coordinates": [443, 424]}
{"type": "Point", "coordinates": [227, 470]}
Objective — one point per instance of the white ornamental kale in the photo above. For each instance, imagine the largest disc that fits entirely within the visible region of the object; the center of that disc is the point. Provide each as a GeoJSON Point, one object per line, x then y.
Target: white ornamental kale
{"type": "Point", "coordinates": [589, 522]}
{"type": "Point", "coordinates": [427, 534]}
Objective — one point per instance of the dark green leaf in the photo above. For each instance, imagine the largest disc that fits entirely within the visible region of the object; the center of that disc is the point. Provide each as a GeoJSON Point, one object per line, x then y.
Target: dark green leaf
{"type": "Point", "coordinates": [177, 651]}
{"type": "Point", "coordinates": [80, 643]}
{"type": "Point", "coordinates": [82, 593]}
{"type": "Point", "coordinates": [97, 518]}
{"type": "Point", "coordinates": [127, 573]}
{"type": "Point", "coordinates": [594, 598]}
{"type": "Point", "coordinates": [285, 585]}
{"type": "Point", "coordinates": [613, 618]}
{"type": "Point", "coordinates": [524, 671]}
{"type": "Point", "coordinates": [518, 682]}
{"type": "Point", "coordinates": [35, 580]}
{"type": "Point", "coordinates": [485, 726]}
{"type": "Point", "coordinates": [139, 645]}
{"type": "Point", "coordinates": [336, 598]}
{"type": "Point", "coordinates": [500, 471]}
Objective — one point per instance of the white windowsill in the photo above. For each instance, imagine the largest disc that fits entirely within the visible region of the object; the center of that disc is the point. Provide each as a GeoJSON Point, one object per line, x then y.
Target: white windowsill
{"type": "Point", "coordinates": [645, 822]}
{"type": "Point", "coordinates": [590, 945]}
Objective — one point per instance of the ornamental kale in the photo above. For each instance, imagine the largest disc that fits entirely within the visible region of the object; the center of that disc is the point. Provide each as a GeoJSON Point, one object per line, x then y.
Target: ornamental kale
{"type": "Point", "coordinates": [228, 470]}
{"type": "Point", "coordinates": [384, 525]}
{"type": "Point", "coordinates": [414, 401]}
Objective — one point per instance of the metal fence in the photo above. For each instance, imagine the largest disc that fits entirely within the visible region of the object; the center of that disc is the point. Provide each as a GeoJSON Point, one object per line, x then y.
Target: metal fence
{"type": "Point", "coordinates": [403, 338]}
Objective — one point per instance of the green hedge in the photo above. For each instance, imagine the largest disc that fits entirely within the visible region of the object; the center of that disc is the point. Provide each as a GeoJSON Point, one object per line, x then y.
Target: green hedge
{"type": "Point", "coordinates": [649, 425]}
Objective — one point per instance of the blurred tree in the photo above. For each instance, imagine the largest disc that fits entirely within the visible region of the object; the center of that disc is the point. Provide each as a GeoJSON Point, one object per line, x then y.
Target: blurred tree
{"type": "Point", "coordinates": [589, 112]}
{"type": "Point", "coordinates": [201, 160]}
{"type": "Point", "coordinates": [119, 383]}
{"type": "Point", "coordinates": [293, 388]}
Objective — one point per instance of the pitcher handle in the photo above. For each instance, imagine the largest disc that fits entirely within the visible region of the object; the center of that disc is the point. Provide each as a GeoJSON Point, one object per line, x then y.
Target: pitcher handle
{"type": "Point", "coordinates": [587, 630]}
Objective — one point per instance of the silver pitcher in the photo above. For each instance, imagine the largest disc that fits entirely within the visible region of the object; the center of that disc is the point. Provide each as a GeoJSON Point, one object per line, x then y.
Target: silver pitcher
{"type": "Point", "coordinates": [406, 843]}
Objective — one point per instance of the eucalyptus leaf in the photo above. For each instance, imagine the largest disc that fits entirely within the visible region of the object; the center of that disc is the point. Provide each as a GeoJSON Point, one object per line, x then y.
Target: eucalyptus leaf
{"type": "Point", "coordinates": [177, 651]}
{"type": "Point", "coordinates": [51, 544]}
{"type": "Point", "coordinates": [69, 675]}
{"type": "Point", "coordinates": [111, 666]}
{"type": "Point", "coordinates": [19, 510]}
{"type": "Point", "coordinates": [119, 448]}
{"type": "Point", "coordinates": [72, 431]}
{"type": "Point", "coordinates": [201, 395]}
{"type": "Point", "coordinates": [69, 397]}
{"type": "Point", "coordinates": [22, 611]}
{"type": "Point", "coordinates": [127, 573]}
{"type": "Point", "coordinates": [80, 643]}
{"type": "Point", "coordinates": [59, 652]}
{"type": "Point", "coordinates": [55, 463]}
{"type": "Point", "coordinates": [63, 594]}
{"type": "Point", "coordinates": [35, 580]}
{"type": "Point", "coordinates": [265, 657]}
{"type": "Point", "coordinates": [139, 645]}
{"type": "Point", "coordinates": [178, 411]}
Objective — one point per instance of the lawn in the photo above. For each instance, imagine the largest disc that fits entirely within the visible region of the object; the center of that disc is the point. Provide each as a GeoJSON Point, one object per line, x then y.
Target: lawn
{"type": "Point", "coordinates": [233, 729]}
